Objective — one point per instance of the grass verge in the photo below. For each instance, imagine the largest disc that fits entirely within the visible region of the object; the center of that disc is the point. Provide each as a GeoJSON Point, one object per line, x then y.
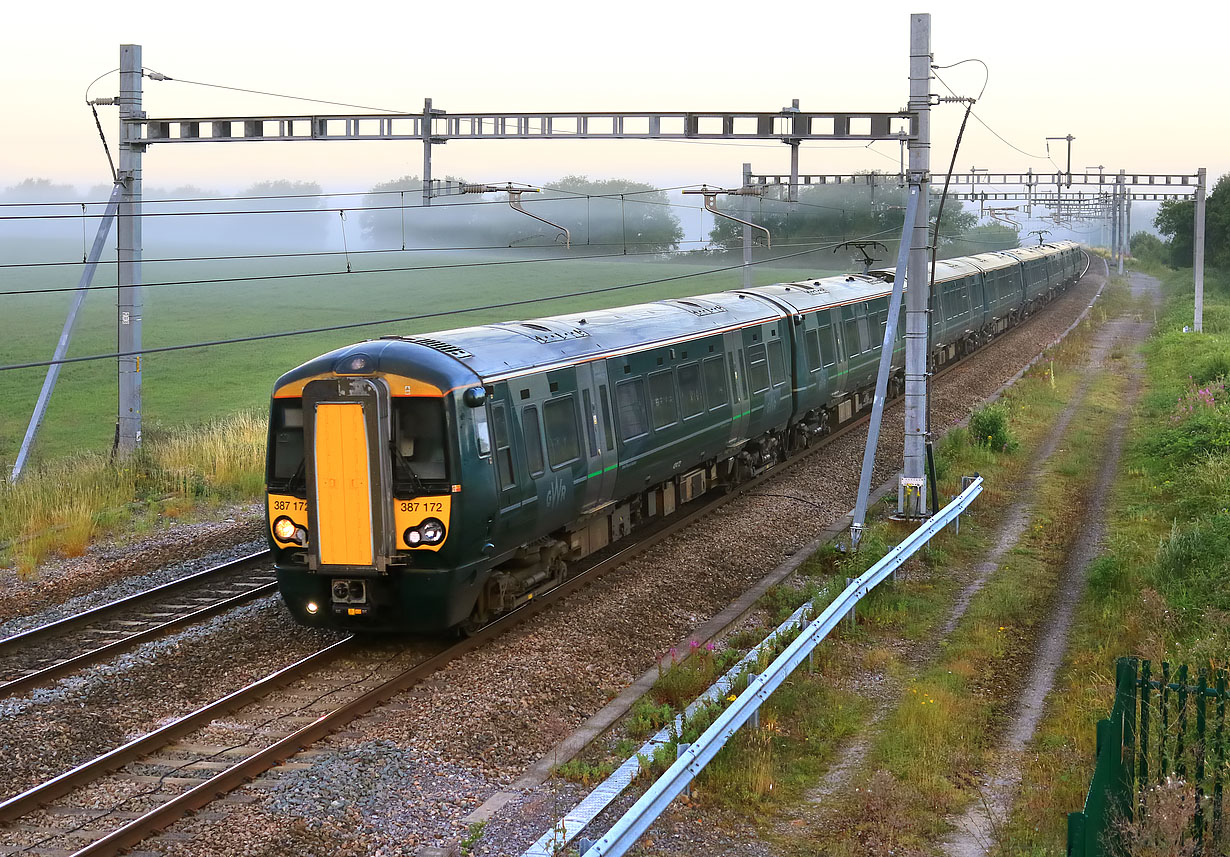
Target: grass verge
{"type": "Point", "coordinates": [62, 506]}
{"type": "Point", "coordinates": [1159, 590]}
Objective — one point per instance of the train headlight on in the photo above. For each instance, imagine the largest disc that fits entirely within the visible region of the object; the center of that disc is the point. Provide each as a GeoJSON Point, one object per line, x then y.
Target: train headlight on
{"type": "Point", "coordinates": [288, 531]}
{"type": "Point", "coordinates": [284, 528]}
{"type": "Point", "coordinates": [413, 537]}
{"type": "Point", "coordinates": [312, 607]}
{"type": "Point", "coordinates": [432, 530]}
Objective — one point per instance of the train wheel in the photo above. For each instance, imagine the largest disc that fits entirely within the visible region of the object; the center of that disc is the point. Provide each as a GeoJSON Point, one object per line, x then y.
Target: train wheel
{"type": "Point", "coordinates": [474, 623]}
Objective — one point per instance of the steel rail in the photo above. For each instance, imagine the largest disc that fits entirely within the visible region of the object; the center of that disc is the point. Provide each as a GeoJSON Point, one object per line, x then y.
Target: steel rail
{"type": "Point", "coordinates": [63, 667]}
{"type": "Point", "coordinates": [85, 617]}
{"type": "Point", "coordinates": [69, 665]}
{"type": "Point", "coordinates": [244, 771]}
{"type": "Point", "coordinates": [33, 798]}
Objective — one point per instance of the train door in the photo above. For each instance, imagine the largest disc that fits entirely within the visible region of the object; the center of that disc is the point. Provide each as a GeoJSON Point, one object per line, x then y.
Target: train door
{"type": "Point", "coordinates": [597, 434]}
{"type": "Point", "coordinates": [740, 396]}
{"type": "Point", "coordinates": [516, 489]}
{"type": "Point", "coordinates": [839, 372]}
{"type": "Point", "coordinates": [346, 465]}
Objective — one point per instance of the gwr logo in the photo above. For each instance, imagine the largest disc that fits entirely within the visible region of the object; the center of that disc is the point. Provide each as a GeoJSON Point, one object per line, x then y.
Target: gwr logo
{"type": "Point", "coordinates": [557, 492]}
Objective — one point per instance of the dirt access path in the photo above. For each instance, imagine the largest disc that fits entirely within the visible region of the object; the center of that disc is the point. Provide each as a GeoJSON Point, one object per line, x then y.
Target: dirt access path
{"type": "Point", "coordinates": [974, 834]}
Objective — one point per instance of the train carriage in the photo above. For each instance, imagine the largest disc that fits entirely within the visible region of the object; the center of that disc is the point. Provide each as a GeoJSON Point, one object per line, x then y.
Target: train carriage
{"type": "Point", "coordinates": [428, 482]}
{"type": "Point", "coordinates": [384, 449]}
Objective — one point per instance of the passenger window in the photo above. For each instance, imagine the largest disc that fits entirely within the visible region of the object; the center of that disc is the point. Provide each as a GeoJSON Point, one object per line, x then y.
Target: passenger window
{"type": "Point", "coordinates": [630, 400]}
{"type": "Point", "coordinates": [850, 325]}
{"type": "Point", "coordinates": [533, 440]}
{"type": "Point", "coordinates": [662, 399]}
{"type": "Point", "coordinates": [591, 420]}
{"type": "Point", "coordinates": [877, 321]}
{"type": "Point", "coordinates": [777, 364]}
{"type": "Point", "coordinates": [691, 393]}
{"type": "Point", "coordinates": [715, 382]}
{"type": "Point", "coordinates": [503, 450]}
{"type": "Point", "coordinates": [606, 417]}
{"type": "Point", "coordinates": [759, 371]}
{"type": "Point", "coordinates": [813, 349]}
{"type": "Point", "coordinates": [828, 348]}
{"type": "Point", "coordinates": [560, 419]}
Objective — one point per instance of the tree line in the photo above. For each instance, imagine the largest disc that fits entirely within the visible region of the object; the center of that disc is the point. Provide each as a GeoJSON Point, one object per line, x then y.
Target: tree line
{"type": "Point", "coordinates": [1176, 220]}
{"type": "Point", "coordinates": [610, 215]}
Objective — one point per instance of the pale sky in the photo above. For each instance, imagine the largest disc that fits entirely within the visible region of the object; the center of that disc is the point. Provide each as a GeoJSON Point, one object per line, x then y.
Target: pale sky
{"type": "Point", "coordinates": [1137, 84]}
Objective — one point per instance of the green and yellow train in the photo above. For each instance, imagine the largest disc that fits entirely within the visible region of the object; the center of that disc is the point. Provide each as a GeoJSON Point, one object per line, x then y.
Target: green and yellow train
{"type": "Point", "coordinates": [419, 483]}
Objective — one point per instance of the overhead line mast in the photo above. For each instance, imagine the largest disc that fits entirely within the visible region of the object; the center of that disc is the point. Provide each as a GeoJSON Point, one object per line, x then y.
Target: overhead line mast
{"type": "Point", "coordinates": [128, 228]}
{"type": "Point", "coordinates": [432, 127]}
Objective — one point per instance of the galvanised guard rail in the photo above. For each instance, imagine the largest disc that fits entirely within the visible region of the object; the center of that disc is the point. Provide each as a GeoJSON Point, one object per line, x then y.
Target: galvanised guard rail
{"type": "Point", "coordinates": [566, 829]}
{"type": "Point", "coordinates": [624, 833]}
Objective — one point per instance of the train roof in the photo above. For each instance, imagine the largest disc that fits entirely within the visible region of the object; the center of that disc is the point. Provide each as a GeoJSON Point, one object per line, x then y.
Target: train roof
{"type": "Point", "coordinates": [1027, 253]}
{"type": "Point", "coordinates": [505, 349]}
{"type": "Point", "coordinates": [994, 260]}
{"type": "Point", "coordinates": [509, 348]}
{"type": "Point", "coordinates": [805, 295]}
{"type": "Point", "coordinates": [945, 270]}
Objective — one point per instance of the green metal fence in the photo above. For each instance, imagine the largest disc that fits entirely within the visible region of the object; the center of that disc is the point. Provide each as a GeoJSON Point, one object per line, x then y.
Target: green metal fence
{"type": "Point", "coordinates": [1166, 740]}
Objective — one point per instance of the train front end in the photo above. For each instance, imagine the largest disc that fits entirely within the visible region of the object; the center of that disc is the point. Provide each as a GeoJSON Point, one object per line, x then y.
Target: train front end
{"type": "Point", "coordinates": [368, 490]}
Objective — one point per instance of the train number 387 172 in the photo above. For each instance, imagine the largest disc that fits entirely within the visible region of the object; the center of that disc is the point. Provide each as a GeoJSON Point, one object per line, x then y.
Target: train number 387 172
{"type": "Point", "coordinates": [420, 506]}
{"type": "Point", "coordinates": [285, 505]}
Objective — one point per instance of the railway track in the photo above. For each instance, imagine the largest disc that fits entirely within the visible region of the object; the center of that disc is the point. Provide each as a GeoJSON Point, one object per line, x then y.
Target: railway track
{"type": "Point", "coordinates": [193, 761]}
{"type": "Point", "coordinates": [198, 758]}
{"type": "Point", "coordinates": [40, 655]}
{"type": "Point", "coordinates": [114, 802]}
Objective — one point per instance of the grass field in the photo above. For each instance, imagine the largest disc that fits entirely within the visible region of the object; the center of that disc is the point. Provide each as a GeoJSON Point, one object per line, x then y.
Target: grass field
{"type": "Point", "coordinates": [193, 386]}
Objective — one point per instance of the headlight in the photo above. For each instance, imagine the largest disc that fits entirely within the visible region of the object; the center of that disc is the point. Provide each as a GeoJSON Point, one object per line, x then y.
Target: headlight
{"type": "Point", "coordinates": [432, 530]}
{"type": "Point", "coordinates": [413, 537]}
{"type": "Point", "coordinates": [284, 528]}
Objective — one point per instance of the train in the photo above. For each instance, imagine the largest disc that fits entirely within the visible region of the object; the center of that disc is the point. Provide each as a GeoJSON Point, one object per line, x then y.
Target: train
{"type": "Point", "coordinates": [431, 482]}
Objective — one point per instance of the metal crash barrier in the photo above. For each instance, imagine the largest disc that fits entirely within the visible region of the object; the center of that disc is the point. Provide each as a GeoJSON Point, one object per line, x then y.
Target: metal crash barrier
{"type": "Point", "coordinates": [624, 833]}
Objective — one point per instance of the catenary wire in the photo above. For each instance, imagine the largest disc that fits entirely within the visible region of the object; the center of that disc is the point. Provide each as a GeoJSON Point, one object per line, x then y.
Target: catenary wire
{"type": "Point", "coordinates": [797, 241]}
{"type": "Point", "coordinates": [328, 194]}
{"type": "Point", "coordinates": [416, 317]}
{"type": "Point", "coordinates": [992, 130]}
{"type": "Point", "coordinates": [361, 208]}
{"type": "Point", "coordinates": [145, 72]}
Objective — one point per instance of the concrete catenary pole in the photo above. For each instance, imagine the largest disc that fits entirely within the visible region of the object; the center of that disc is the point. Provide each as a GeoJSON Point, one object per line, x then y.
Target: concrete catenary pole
{"type": "Point", "coordinates": [912, 492]}
{"type": "Point", "coordinates": [426, 151]}
{"type": "Point", "coordinates": [1114, 223]}
{"type": "Point", "coordinates": [1127, 215]}
{"type": "Point", "coordinates": [1198, 250]}
{"type": "Point", "coordinates": [128, 231]}
{"type": "Point", "coordinates": [747, 230]}
{"type": "Point", "coordinates": [793, 191]}
{"type": "Point", "coordinates": [1122, 211]}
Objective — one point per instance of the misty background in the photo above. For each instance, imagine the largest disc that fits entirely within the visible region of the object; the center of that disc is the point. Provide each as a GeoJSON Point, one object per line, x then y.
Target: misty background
{"type": "Point", "coordinates": [46, 221]}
